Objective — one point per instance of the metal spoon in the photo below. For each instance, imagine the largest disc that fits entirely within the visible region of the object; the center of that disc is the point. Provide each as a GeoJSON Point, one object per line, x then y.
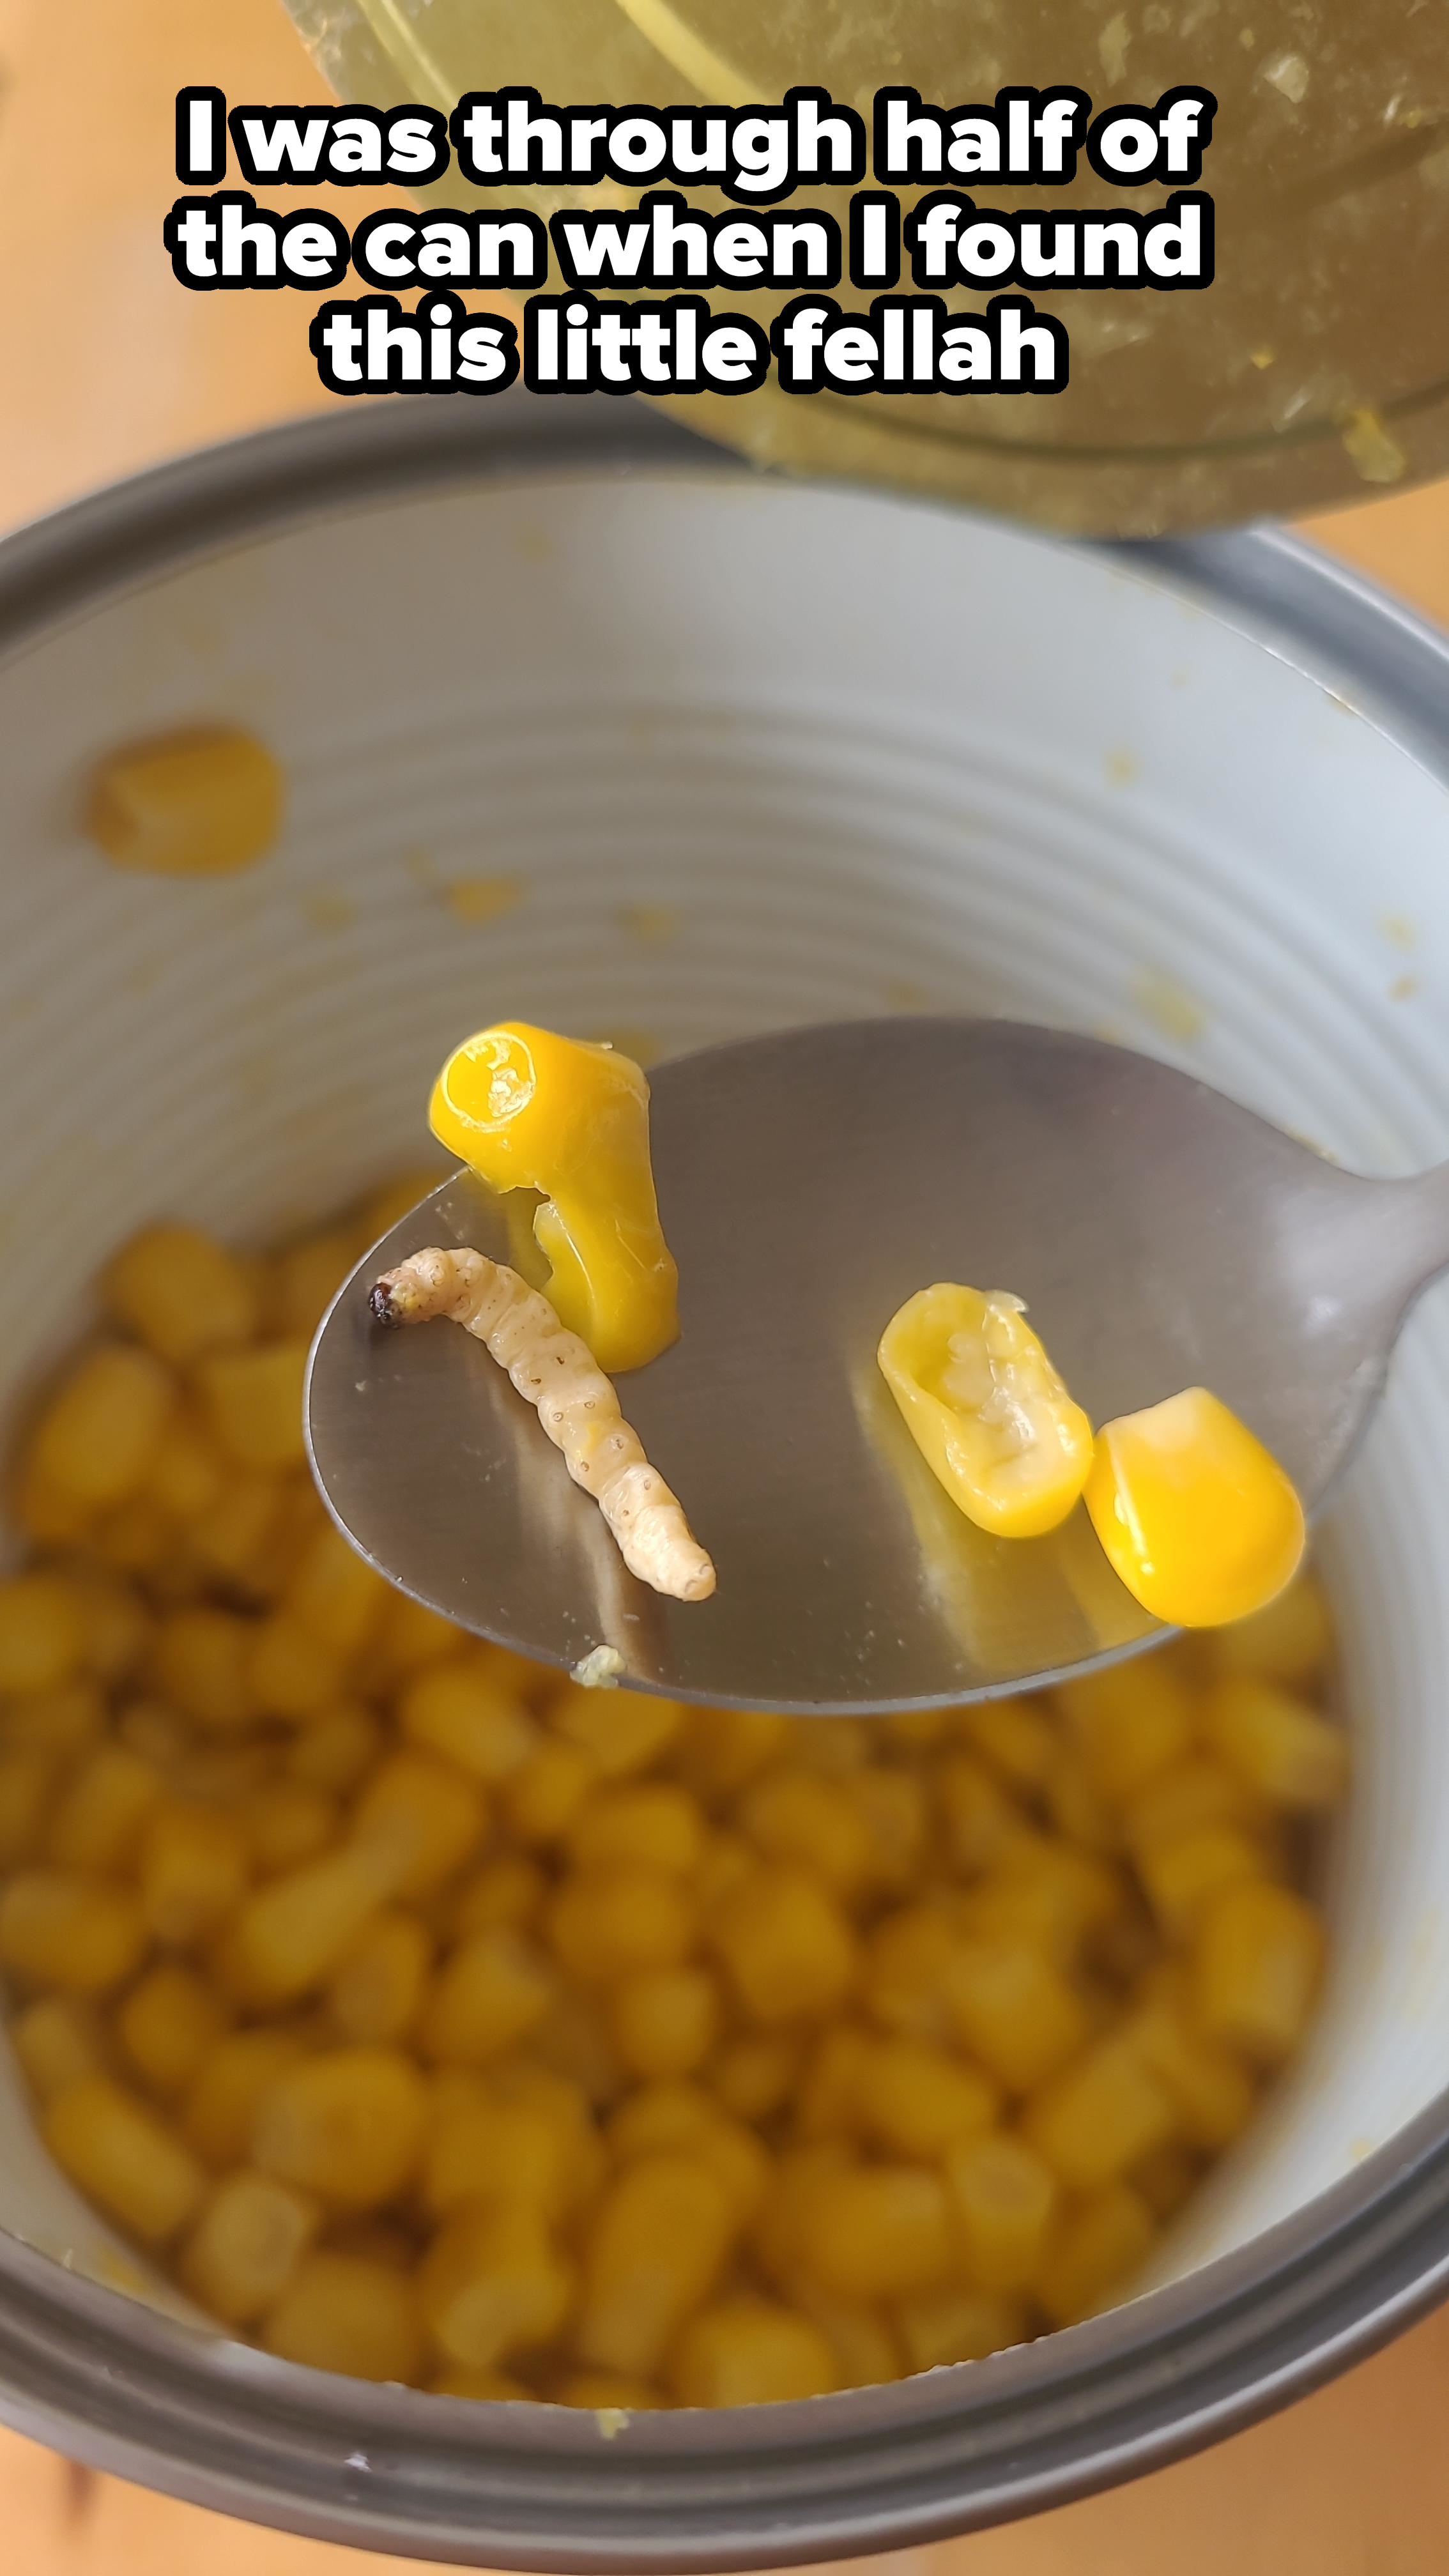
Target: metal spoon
{"type": "Point", "coordinates": [1161, 1236]}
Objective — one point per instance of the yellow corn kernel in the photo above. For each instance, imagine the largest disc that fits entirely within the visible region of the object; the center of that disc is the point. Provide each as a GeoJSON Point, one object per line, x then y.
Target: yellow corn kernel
{"type": "Point", "coordinates": [219, 2110]}
{"type": "Point", "coordinates": [775, 2237]}
{"type": "Point", "coordinates": [725, 1860]}
{"type": "Point", "coordinates": [830, 2096]}
{"type": "Point", "coordinates": [838, 1746]}
{"type": "Point", "coordinates": [908, 1958]}
{"type": "Point", "coordinates": [651, 1822]}
{"type": "Point", "coordinates": [1193, 1793]}
{"type": "Point", "coordinates": [1047, 1893]}
{"type": "Point", "coordinates": [376, 1992]}
{"type": "Point", "coordinates": [254, 1401]}
{"type": "Point", "coordinates": [306, 1278]}
{"type": "Point", "coordinates": [608, 2392]}
{"type": "Point", "coordinates": [1003, 2199]}
{"type": "Point", "coordinates": [287, 1672]}
{"type": "Point", "coordinates": [787, 1947]}
{"type": "Point", "coordinates": [42, 1632]}
{"type": "Point", "coordinates": [665, 2020]}
{"type": "Point", "coordinates": [746, 2351]}
{"type": "Point", "coordinates": [423, 1817]}
{"type": "Point", "coordinates": [1096, 2118]}
{"type": "Point", "coordinates": [252, 2233]}
{"type": "Point", "coordinates": [410, 1638]}
{"type": "Point", "coordinates": [1017, 1738]}
{"type": "Point", "coordinates": [672, 2113]}
{"type": "Point", "coordinates": [753, 2075]}
{"type": "Point", "coordinates": [1076, 1805]}
{"type": "Point", "coordinates": [57, 2041]}
{"type": "Point", "coordinates": [392, 1200]}
{"type": "Point", "coordinates": [120, 2154]}
{"type": "Point", "coordinates": [939, 2327]}
{"type": "Point", "coordinates": [494, 2284]}
{"type": "Point", "coordinates": [1281, 1747]}
{"type": "Point", "coordinates": [1257, 1957]}
{"type": "Point", "coordinates": [613, 1921]}
{"type": "Point", "coordinates": [620, 1730]}
{"type": "Point", "coordinates": [236, 1537]}
{"type": "Point", "coordinates": [1289, 1641]}
{"type": "Point", "coordinates": [98, 1435]}
{"type": "Point", "coordinates": [334, 1595]}
{"type": "Point", "coordinates": [540, 2148]}
{"type": "Point", "coordinates": [878, 2231]}
{"type": "Point", "coordinates": [891, 1805]}
{"type": "Point", "coordinates": [1197, 1519]}
{"type": "Point", "coordinates": [156, 1733]}
{"type": "Point", "coordinates": [573, 2040]}
{"type": "Point", "coordinates": [542, 1799]}
{"type": "Point", "coordinates": [1167, 2178]}
{"type": "Point", "coordinates": [528, 1109]}
{"type": "Point", "coordinates": [343, 2313]}
{"type": "Point", "coordinates": [187, 1474]}
{"type": "Point", "coordinates": [793, 1815]}
{"type": "Point", "coordinates": [117, 1624]}
{"type": "Point", "coordinates": [865, 2344]}
{"type": "Point", "coordinates": [100, 1817]}
{"type": "Point", "coordinates": [719, 1749]}
{"type": "Point", "coordinates": [1131, 1722]}
{"type": "Point", "coordinates": [197, 803]}
{"type": "Point", "coordinates": [458, 1710]}
{"type": "Point", "coordinates": [1211, 2090]}
{"type": "Point", "coordinates": [986, 1408]}
{"type": "Point", "coordinates": [288, 1822]}
{"type": "Point", "coordinates": [335, 1749]}
{"type": "Point", "coordinates": [653, 2254]}
{"type": "Point", "coordinates": [1181, 1872]}
{"type": "Point", "coordinates": [46, 1513]}
{"type": "Point", "coordinates": [980, 1820]}
{"type": "Point", "coordinates": [1015, 2009]}
{"type": "Point", "coordinates": [192, 1872]}
{"type": "Point", "coordinates": [138, 1538]}
{"type": "Point", "coordinates": [219, 1775]}
{"type": "Point", "coordinates": [182, 1293]}
{"type": "Point", "coordinates": [509, 1890]}
{"type": "Point", "coordinates": [1094, 2252]}
{"type": "Point", "coordinates": [27, 1791]}
{"type": "Point", "coordinates": [348, 2125]}
{"type": "Point", "coordinates": [63, 1928]}
{"type": "Point", "coordinates": [918, 2099]}
{"type": "Point", "coordinates": [167, 2026]}
{"type": "Point", "coordinates": [290, 1935]}
{"type": "Point", "coordinates": [493, 1990]}
{"type": "Point", "coordinates": [199, 1662]}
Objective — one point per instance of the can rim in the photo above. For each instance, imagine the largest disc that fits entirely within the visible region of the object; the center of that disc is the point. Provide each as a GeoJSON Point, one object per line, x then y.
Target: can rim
{"type": "Point", "coordinates": [107, 2379]}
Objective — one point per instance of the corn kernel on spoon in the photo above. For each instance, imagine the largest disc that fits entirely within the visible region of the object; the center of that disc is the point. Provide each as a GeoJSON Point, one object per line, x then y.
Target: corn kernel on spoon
{"type": "Point", "coordinates": [809, 1183]}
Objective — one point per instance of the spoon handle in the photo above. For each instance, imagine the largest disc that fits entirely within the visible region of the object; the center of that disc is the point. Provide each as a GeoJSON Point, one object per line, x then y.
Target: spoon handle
{"type": "Point", "coordinates": [1409, 1247]}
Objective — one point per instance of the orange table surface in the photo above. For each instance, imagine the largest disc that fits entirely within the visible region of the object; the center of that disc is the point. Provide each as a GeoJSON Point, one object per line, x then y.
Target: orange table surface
{"type": "Point", "coordinates": [108, 366]}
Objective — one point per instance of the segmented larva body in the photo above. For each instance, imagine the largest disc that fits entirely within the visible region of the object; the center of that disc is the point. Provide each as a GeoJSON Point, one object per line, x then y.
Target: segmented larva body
{"type": "Point", "coordinates": [576, 1403]}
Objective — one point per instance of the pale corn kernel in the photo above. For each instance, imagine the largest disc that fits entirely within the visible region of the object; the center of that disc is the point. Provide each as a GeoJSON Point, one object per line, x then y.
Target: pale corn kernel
{"type": "Point", "coordinates": [878, 2231]}
{"type": "Point", "coordinates": [347, 2125]}
{"type": "Point", "coordinates": [120, 2154]}
{"type": "Point", "coordinates": [747, 2351]}
{"type": "Point", "coordinates": [167, 2026]}
{"type": "Point", "coordinates": [918, 2099]}
{"type": "Point", "coordinates": [1131, 1722]}
{"type": "Point", "coordinates": [830, 2094]}
{"type": "Point", "coordinates": [541, 1800]}
{"type": "Point", "coordinates": [287, 1672]}
{"type": "Point", "coordinates": [1212, 2092]}
{"type": "Point", "coordinates": [1049, 1893]}
{"type": "Point", "coordinates": [423, 1817]}
{"type": "Point", "coordinates": [193, 1870]}
{"type": "Point", "coordinates": [182, 1293]}
{"type": "Point", "coordinates": [1285, 1750]}
{"type": "Point", "coordinates": [1289, 1641]}
{"type": "Point", "coordinates": [1095, 2119]}
{"type": "Point", "coordinates": [908, 1959]}
{"type": "Point", "coordinates": [199, 1663]}
{"type": "Point", "coordinates": [376, 1991]}
{"type": "Point", "coordinates": [1179, 1873]}
{"type": "Point", "coordinates": [720, 1749]}
{"type": "Point", "coordinates": [980, 1819]}
{"type": "Point", "coordinates": [286, 1823]}
{"type": "Point", "coordinates": [655, 2249]}
{"type": "Point", "coordinates": [234, 1538]}
{"type": "Point", "coordinates": [1198, 1791]}
{"type": "Point", "coordinates": [673, 2113]}
{"type": "Point", "coordinates": [608, 2392]}
{"type": "Point", "coordinates": [939, 2327]}
{"type": "Point", "coordinates": [288, 1936]}
{"type": "Point", "coordinates": [649, 1821]}
{"type": "Point", "coordinates": [1257, 1957]}
{"type": "Point", "coordinates": [337, 1748]}
{"type": "Point", "coordinates": [252, 2233]}
{"type": "Point", "coordinates": [27, 1792]}
{"type": "Point", "coordinates": [1016, 1736]}
{"type": "Point", "coordinates": [102, 1813]}
{"type": "Point", "coordinates": [254, 1401]}
{"type": "Point", "coordinates": [410, 1638]}
{"type": "Point", "coordinates": [612, 1921]}
{"type": "Point", "coordinates": [341, 2312]}
{"type": "Point", "coordinates": [1003, 2198]}
{"type": "Point", "coordinates": [1098, 2246]}
{"type": "Point", "coordinates": [117, 1624]}
{"type": "Point", "coordinates": [306, 1278]}
{"type": "Point", "coordinates": [489, 1994]}
{"type": "Point", "coordinates": [787, 1947]}
{"type": "Point", "coordinates": [665, 2020]}
{"type": "Point", "coordinates": [195, 803]}
{"type": "Point", "coordinates": [42, 1632]}
{"type": "Point", "coordinates": [620, 1730]}
{"type": "Point", "coordinates": [456, 1709]}
{"type": "Point", "coordinates": [1015, 2009]}
{"type": "Point", "coordinates": [62, 1928]}
{"type": "Point", "coordinates": [187, 1474]}
{"type": "Point", "coordinates": [540, 2150]}
{"type": "Point", "coordinates": [891, 1806]}
{"type": "Point", "coordinates": [753, 2075]}
{"type": "Point", "coordinates": [494, 2284]}
{"type": "Point", "coordinates": [794, 1815]}
{"type": "Point", "coordinates": [335, 1596]}
{"type": "Point", "coordinates": [98, 1435]}
{"type": "Point", "coordinates": [219, 2110]}
{"type": "Point", "coordinates": [509, 1890]}
{"type": "Point", "coordinates": [57, 2041]}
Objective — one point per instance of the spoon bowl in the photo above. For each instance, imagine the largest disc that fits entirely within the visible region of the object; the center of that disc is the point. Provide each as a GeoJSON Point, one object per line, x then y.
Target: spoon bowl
{"type": "Point", "coordinates": [1161, 1236]}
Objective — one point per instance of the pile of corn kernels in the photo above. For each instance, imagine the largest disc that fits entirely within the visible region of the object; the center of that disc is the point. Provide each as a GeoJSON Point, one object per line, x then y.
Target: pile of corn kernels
{"type": "Point", "coordinates": [431, 2019]}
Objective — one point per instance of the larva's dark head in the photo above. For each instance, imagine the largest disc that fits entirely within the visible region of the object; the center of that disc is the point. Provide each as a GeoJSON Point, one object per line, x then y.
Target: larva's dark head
{"type": "Point", "coordinates": [383, 1303]}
